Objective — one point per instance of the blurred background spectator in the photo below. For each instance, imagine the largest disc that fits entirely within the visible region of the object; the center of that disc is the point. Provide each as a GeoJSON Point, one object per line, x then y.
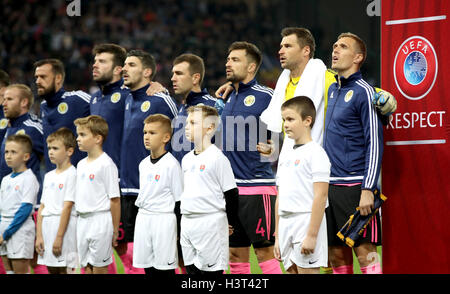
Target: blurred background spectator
{"type": "Point", "coordinates": [31, 30]}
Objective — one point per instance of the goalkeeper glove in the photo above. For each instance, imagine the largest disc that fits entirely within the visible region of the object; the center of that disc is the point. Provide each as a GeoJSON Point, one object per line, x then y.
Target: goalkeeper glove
{"type": "Point", "coordinates": [385, 102]}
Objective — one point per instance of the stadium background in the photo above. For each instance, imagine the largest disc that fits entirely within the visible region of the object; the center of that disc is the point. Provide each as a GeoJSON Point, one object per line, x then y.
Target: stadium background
{"type": "Point", "coordinates": [31, 30]}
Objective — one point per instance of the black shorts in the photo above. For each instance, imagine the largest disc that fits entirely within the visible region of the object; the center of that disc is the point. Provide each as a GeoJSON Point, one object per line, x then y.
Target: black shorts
{"type": "Point", "coordinates": [256, 225]}
{"type": "Point", "coordinates": [343, 201]}
{"type": "Point", "coordinates": [128, 213]}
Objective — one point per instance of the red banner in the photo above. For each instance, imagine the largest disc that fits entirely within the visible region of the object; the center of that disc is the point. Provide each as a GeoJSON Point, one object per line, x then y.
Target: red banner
{"type": "Point", "coordinates": [416, 162]}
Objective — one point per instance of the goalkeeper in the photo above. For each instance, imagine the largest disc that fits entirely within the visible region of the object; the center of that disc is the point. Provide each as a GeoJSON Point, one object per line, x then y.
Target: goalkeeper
{"type": "Point", "coordinates": [353, 140]}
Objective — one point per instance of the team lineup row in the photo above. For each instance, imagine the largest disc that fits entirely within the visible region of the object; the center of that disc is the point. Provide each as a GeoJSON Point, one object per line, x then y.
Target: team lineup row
{"type": "Point", "coordinates": [347, 115]}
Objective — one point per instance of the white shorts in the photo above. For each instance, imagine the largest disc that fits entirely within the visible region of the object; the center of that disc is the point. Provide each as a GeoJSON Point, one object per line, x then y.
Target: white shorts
{"type": "Point", "coordinates": [21, 243]}
{"type": "Point", "coordinates": [204, 241]}
{"type": "Point", "coordinates": [94, 239]}
{"type": "Point", "coordinates": [292, 230]}
{"type": "Point", "coordinates": [69, 255]}
{"type": "Point", "coordinates": [155, 241]}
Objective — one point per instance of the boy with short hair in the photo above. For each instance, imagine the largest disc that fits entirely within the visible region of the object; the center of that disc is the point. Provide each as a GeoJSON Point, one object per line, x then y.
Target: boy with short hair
{"type": "Point", "coordinates": [301, 232]}
{"type": "Point", "coordinates": [209, 199]}
{"type": "Point", "coordinates": [56, 222]}
{"type": "Point", "coordinates": [97, 198]}
{"type": "Point", "coordinates": [18, 196]}
{"type": "Point", "coordinates": [160, 187]}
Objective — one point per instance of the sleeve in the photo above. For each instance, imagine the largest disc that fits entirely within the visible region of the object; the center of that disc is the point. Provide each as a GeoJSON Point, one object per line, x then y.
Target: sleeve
{"type": "Point", "coordinates": [167, 106]}
{"type": "Point", "coordinates": [320, 166]}
{"type": "Point", "coordinates": [177, 181]}
{"type": "Point", "coordinates": [373, 138]}
{"type": "Point", "coordinates": [232, 205]}
{"type": "Point", "coordinates": [20, 217]}
{"type": "Point", "coordinates": [225, 174]}
{"type": "Point", "coordinates": [71, 183]}
{"type": "Point", "coordinates": [112, 180]}
{"type": "Point", "coordinates": [30, 190]}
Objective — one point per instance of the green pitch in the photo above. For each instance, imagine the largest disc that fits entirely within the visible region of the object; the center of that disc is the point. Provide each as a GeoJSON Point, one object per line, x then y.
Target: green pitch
{"type": "Point", "coordinates": [254, 267]}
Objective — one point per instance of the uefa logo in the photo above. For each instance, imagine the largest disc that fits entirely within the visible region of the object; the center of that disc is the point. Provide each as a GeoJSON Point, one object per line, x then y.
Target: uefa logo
{"type": "Point", "coordinates": [415, 67]}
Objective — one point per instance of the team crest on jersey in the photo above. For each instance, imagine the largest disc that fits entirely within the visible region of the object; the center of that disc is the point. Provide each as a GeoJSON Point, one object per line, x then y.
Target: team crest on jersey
{"type": "Point", "coordinates": [115, 97]}
{"type": "Point", "coordinates": [348, 96]}
{"type": "Point", "coordinates": [60, 186]}
{"type": "Point", "coordinates": [20, 132]}
{"type": "Point", "coordinates": [202, 167]}
{"type": "Point", "coordinates": [91, 177]}
{"type": "Point", "coordinates": [63, 108]}
{"type": "Point", "coordinates": [3, 123]}
{"type": "Point", "coordinates": [296, 163]}
{"type": "Point", "coordinates": [249, 100]}
{"type": "Point", "coordinates": [145, 106]}
{"type": "Point", "coordinates": [415, 67]}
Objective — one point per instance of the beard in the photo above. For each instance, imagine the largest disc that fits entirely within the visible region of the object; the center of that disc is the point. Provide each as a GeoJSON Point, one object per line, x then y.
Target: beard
{"type": "Point", "coordinates": [50, 90]}
{"type": "Point", "coordinates": [104, 79]}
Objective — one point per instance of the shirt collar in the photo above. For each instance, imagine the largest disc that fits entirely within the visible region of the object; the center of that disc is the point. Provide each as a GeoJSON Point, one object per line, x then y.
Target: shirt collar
{"type": "Point", "coordinates": [15, 122]}
{"type": "Point", "coordinates": [110, 88]}
{"type": "Point", "coordinates": [243, 86]}
{"type": "Point", "coordinates": [345, 81]}
{"type": "Point", "coordinates": [55, 98]}
{"type": "Point", "coordinates": [193, 96]}
{"type": "Point", "coordinates": [141, 91]}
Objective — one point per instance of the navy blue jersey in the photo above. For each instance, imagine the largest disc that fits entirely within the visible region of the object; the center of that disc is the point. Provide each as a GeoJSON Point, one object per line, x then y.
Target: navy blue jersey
{"type": "Point", "coordinates": [242, 129]}
{"type": "Point", "coordinates": [353, 136]}
{"type": "Point", "coordinates": [30, 125]}
{"type": "Point", "coordinates": [3, 123]}
{"type": "Point", "coordinates": [138, 106]}
{"type": "Point", "coordinates": [180, 145]}
{"type": "Point", "coordinates": [60, 110]}
{"type": "Point", "coordinates": [109, 103]}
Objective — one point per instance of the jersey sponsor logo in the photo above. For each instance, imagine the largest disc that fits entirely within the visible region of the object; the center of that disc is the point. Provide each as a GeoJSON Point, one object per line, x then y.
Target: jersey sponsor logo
{"type": "Point", "coordinates": [249, 100]}
{"type": "Point", "coordinates": [61, 186]}
{"type": "Point", "coordinates": [94, 100]}
{"type": "Point", "coordinates": [348, 96]}
{"type": "Point", "coordinates": [415, 67]}
{"type": "Point", "coordinates": [63, 108]}
{"type": "Point", "coordinates": [145, 106]}
{"type": "Point", "coordinates": [157, 177]}
{"type": "Point", "coordinates": [296, 163]}
{"type": "Point", "coordinates": [115, 97]}
{"type": "Point", "coordinates": [17, 188]}
{"type": "Point", "coordinates": [3, 123]}
{"type": "Point", "coordinates": [202, 167]}
{"type": "Point", "coordinates": [332, 94]}
{"type": "Point", "coordinates": [91, 177]}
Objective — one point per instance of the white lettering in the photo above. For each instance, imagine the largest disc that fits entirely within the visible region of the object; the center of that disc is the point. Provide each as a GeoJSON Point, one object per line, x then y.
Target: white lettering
{"type": "Point", "coordinates": [432, 119]}
{"type": "Point", "coordinates": [74, 8]}
{"type": "Point", "coordinates": [374, 8]}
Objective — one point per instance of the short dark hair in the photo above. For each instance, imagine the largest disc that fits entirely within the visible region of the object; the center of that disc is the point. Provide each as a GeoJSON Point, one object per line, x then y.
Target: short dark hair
{"type": "Point", "coordinates": [24, 140]}
{"type": "Point", "coordinates": [148, 61]}
{"type": "Point", "coordinates": [196, 64]}
{"type": "Point", "coordinates": [57, 66]}
{"type": "Point", "coordinates": [361, 47]}
{"type": "Point", "coordinates": [304, 36]}
{"type": "Point", "coordinates": [4, 78]}
{"type": "Point", "coordinates": [250, 49]}
{"type": "Point", "coordinates": [119, 53]}
{"type": "Point", "coordinates": [303, 105]}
